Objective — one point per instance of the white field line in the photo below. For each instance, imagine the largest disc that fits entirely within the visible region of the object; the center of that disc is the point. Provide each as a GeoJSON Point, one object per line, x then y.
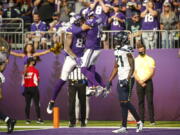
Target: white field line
{"type": "Point", "coordinates": [51, 127]}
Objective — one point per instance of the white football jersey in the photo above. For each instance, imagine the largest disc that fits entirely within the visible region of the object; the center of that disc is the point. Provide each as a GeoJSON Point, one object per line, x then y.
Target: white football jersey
{"type": "Point", "coordinates": [122, 61]}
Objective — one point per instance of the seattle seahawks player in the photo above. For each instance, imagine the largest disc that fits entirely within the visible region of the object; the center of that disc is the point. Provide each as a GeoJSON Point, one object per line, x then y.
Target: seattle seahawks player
{"type": "Point", "coordinates": [124, 67]}
{"type": "Point", "coordinates": [74, 48]}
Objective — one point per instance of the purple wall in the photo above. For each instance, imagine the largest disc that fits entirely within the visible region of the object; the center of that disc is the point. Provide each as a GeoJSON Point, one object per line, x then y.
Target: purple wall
{"type": "Point", "coordinates": [166, 87]}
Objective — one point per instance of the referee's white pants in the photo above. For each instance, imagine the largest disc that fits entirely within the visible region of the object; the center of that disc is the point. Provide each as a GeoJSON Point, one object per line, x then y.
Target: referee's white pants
{"type": "Point", "coordinates": [90, 57]}
{"type": "Point", "coordinates": [68, 66]}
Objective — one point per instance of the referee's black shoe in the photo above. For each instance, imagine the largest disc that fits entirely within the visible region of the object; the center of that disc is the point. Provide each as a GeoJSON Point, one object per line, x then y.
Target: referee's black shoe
{"type": "Point", "coordinates": [83, 124]}
{"type": "Point", "coordinates": [71, 125]}
{"type": "Point", "coordinates": [10, 125]}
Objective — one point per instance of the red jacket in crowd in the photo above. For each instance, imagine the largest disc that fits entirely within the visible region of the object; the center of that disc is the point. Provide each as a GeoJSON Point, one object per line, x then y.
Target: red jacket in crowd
{"type": "Point", "coordinates": [31, 77]}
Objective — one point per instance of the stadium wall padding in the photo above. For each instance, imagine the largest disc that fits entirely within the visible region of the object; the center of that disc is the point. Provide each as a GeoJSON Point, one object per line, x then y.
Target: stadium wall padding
{"type": "Point", "coordinates": [166, 87]}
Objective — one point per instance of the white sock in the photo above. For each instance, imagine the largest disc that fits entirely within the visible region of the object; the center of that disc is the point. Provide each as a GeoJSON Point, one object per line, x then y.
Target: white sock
{"type": "Point", "coordinates": [6, 119]}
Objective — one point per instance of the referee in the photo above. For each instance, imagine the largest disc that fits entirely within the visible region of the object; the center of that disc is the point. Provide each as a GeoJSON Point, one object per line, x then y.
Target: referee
{"type": "Point", "coordinates": [77, 85]}
{"type": "Point", "coordinates": [144, 71]}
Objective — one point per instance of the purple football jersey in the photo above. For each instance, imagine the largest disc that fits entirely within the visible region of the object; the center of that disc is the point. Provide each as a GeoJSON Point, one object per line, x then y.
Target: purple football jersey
{"type": "Point", "coordinates": [78, 40]}
{"type": "Point", "coordinates": [98, 10]}
{"type": "Point", "coordinates": [93, 35]}
{"type": "Point", "coordinates": [115, 24]}
{"type": "Point", "coordinates": [38, 27]}
{"type": "Point", "coordinates": [149, 22]}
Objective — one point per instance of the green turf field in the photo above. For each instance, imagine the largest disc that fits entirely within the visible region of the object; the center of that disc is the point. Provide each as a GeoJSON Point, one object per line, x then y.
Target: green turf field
{"type": "Point", "coordinates": [99, 124]}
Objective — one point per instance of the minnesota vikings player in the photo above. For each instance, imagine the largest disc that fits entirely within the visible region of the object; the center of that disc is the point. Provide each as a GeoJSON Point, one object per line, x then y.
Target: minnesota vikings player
{"type": "Point", "coordinates": [92, 45]}
{"type": "Point", "coordinates": [74, 47]}
{"type": "Point", "coordinates": [124, 67]}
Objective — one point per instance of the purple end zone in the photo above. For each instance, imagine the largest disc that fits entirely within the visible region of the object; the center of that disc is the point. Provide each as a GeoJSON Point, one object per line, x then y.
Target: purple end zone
{"type": "Point", "coordinates": [95, 131]}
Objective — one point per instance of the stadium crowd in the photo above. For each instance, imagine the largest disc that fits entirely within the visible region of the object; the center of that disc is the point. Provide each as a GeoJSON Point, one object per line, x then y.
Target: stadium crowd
{"type": "Point", "coordinates": [132, 15]}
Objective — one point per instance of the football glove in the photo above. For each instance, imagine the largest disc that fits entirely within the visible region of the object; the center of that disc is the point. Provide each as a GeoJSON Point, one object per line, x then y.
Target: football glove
{"type": "Point", "coordinates": [106, 91]}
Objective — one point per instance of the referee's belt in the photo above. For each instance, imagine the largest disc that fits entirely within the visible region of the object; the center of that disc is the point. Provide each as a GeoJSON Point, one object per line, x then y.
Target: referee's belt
{"type": "Point", "coordinates": [83, 81]}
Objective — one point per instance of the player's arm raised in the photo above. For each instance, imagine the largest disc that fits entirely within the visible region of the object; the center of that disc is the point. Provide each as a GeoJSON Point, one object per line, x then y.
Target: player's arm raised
{"type": "Point", "coordinates": [41, 53]}
{"type": "Point", "coordinates": [93, 5]}
{"type": "Point", "coordinates": [104, 7]}
{"type": "Point", "coordinates": [17, 54]}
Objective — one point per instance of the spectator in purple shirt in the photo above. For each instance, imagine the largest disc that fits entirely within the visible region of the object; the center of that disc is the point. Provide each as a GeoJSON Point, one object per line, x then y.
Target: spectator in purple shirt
{"type": "Point", "coordinates": [54, 27]}
{"type": "Point", "coordinates": [56, 23]}
{"type": "Point", "coordinates": [101, 9]}
{"type": "Point", "coordinates": [149, 22]}
{"type": "Point", "coordinates": [116, 19]}
{"type": "Point", "coordinates": [38, 28]}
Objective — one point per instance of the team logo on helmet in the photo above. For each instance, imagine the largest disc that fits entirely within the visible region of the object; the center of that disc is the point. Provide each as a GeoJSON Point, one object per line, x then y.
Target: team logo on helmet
{"type": "Point", "coordinates": [120, 39]}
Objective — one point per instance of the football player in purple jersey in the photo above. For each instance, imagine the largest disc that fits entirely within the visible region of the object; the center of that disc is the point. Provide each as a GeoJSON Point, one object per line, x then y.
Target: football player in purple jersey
{"type": "Point", "coordinates": [149, 22]}
{"type": "Point", "coordinates": [74, 48]}
{"type": "Point", "coordinates": [93, 49]}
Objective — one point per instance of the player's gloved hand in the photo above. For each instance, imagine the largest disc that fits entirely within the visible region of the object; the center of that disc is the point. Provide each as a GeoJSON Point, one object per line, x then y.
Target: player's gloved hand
{"type": "Point", "coordinates": [108, 86]}
{"type": "Point", "coordinates": [124, 83]}
{"type": "Point", "coordinates": [107, 90]}
{"type": "Point", "coordinates": [78, 61]}
{"type": "Point", "coordinates": [2, 78]}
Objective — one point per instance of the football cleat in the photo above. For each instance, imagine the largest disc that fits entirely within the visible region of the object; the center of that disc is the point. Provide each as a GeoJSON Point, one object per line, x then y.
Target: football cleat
{"type": "Point", "coordinates": [40, 121]}
{"type": "Point", "coordinates": [99, 90]}
{"type": "Point", "coordinates": [120, 130]}
{"type": "Point", "coordinates": [105, 93]}
{"type": "Point", "coordinates": [28, 122]}
{"type": "Point", "coordinates": [50, 107]}
{"type": "Point", "coordinates": [139, 126]}
{"type": "Point", "coordinates": [10, 125]}
{"type": "Point", "coordinates": [90, 91]}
